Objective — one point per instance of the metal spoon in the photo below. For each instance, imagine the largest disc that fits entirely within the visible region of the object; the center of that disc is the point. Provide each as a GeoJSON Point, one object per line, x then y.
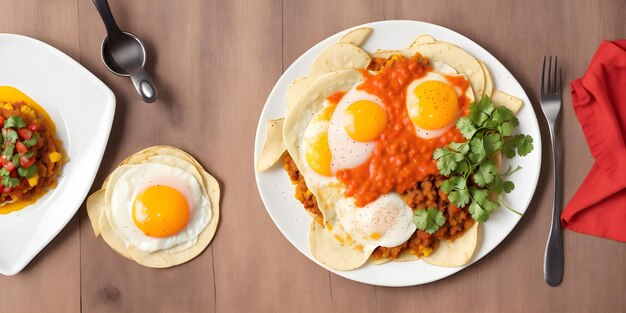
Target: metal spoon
{"type": "Point", "coordinates": [124, 55]}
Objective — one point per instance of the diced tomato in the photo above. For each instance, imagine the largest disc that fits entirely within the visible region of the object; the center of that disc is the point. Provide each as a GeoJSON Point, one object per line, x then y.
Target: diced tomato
{"type": "Point", "coordinates": [3, 160]}
{"type": "Point", "coordinates": [7, 189]}
{"type": "Point", "coordinates": [9, 166]}
{"type": "Point", "coordinates": [24, 162]}
{"type": "Point", "coordinates": [2, 120]}
{"type": "Point", "coordinates": [21, 148]}
{"type": "Point", "coordinates": [33, 127]}
{"type": "Point", "coordinates": [25, 133]}
{"type": "Point", "coordinates": [14, 173]}
{"type": "Point", "coordinates": [453, 209]}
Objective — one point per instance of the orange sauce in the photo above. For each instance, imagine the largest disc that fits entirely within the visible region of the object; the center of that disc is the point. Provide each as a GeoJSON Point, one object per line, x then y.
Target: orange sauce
{"type": "Point", "coordinates": [400, 158]}
{"type": "Point", "coordinates": [10, 95]}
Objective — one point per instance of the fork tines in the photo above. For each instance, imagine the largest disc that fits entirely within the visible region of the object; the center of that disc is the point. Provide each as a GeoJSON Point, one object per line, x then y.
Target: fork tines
{"type": "Point", "coordinates": [555, 83]}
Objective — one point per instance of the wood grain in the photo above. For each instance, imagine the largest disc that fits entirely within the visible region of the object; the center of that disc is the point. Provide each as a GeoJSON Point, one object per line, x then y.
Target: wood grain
{"type": "Point", "coordinates": [215, 62]}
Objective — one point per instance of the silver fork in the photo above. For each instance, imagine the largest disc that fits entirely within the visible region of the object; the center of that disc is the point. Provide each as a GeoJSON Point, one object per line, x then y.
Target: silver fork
{"type": "Point", "coordinates": [551, 92]}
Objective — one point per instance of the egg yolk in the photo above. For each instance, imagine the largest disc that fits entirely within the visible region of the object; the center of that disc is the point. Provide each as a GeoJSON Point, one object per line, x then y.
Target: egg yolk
{"type": "Point", "coordinates": [437, 105]}
{"type": "Point", "coordinates": [318, 154]}
{"type": "Point", "coordinates": [160, 211]}
{"type": "Point", "coordinates": [365, 120]}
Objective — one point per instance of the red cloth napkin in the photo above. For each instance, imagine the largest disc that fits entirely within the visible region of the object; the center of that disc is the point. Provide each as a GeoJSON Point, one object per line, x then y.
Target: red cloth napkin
{"type": "Point", "coordinates": [599, 97]}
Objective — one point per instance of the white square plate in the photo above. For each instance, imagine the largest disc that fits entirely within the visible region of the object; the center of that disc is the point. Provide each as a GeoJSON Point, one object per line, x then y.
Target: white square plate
{"type": "Point", "coordinates": [82, 107]}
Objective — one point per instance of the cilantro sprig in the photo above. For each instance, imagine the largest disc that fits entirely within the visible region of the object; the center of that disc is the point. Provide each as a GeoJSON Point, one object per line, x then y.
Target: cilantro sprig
{"type": "Point", "coordinates": [473, 174]}
{"type": "Point", "coordinates": [428, 220]}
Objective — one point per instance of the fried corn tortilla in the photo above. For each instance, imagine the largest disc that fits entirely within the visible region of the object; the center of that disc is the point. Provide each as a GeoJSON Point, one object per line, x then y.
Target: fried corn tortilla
{"type": "Point", "coordinates": [356, 37]}
{"type": "Point", "coordinates": [102, 222]}
{"type": "Point", "coordinates": [274, 147]}
{"type": "Point", "coordinates": [331, 253]}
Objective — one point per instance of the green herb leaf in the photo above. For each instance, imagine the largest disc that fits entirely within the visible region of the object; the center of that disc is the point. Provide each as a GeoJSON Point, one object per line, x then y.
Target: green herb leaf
{"type": "Point", "coordinates": [10, 135]}
{"type": "Point", "coordinates": [481, 206]}
{"type": "Point", "coordinates": [508, 186]}
{"type": "Point", "coordinates": [477, 150]}
{"type": "Point", "coordinates": [480, 111]}
{"type": "Point", "coordinates": [28, 172]}
{"type": "Point", "coordinates": [459, 198]}
{"type": "Point", "coordinates": [4, 172]}
{"type": "Point", "coordinates": [30, 142]}
{"type": "Point", "coordinates": [29, 154]}
{"type": "Point", "coordinates": [447, 160]}
{"type": "Point", "coordinates": [466, 127]}
{"type": "Point", "coordinates": [492, 143]}
{"type": "Point", "coordinates": [428, 220]}
{"type": "Point", "coordinates": [14, 121]}
{"type": "Point", "coordinates": [524, 144]}
{"type": "Point", "coordinates": [485, 174]}
{"type": "Point", "coordinates": [8, 181]}
{"type": "Point", "coordinates": [7, 153]}
{"type": "Point", "coordinates": [15, 159]}
{"type": "Point", "coordinates": [461, 148]}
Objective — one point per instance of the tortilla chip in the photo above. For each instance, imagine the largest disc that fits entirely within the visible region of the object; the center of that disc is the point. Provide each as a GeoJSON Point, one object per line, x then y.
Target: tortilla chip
{"type": "Point", "coordinates": [338, 57]}
{"type": "Point", "coordinates": [421, 39]}
{"type": "Point", "coordinates": [273, 148]}
{"type": "Point", "coordinates": [296, 89]}
{"type": "Point", "coordinates": [488, 80]}
{"type": "Point", "coordinates": [455, 253]}
{"type": "Point", "coordinates": [356, 37]}
{"type": "Point", "coordinates": [95, 202]}
{"type": "Point", "coordinates": [331, 253]}
{"type": "Point", "coordinates": [501, 98]}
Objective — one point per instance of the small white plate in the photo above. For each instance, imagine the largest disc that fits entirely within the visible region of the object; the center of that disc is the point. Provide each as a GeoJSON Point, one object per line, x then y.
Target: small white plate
{"type": "Point", "coordinates": [289, 215]}
{"type": "Point", "coordinates": [82, 107]}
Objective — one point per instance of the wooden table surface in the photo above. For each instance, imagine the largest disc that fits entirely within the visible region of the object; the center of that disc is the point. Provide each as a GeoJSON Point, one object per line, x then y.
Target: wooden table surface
{"type": "Point", "coordinates": [215, 63]}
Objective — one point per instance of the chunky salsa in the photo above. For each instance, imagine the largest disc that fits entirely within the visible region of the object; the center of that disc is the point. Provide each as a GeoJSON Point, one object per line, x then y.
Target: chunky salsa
{"type": "Point", "coordinates": [30, 156]}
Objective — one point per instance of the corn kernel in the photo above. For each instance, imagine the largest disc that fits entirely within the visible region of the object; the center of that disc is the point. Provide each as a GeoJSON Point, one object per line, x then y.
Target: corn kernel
{"type": "Point", "coordinates": [54, 157]}
{"type": "Point", "coordinates": [33, 180]}
{"type": "Point", "coordinates": [28, 111]}
{"type": "Point", "coordinates": [7, 106]}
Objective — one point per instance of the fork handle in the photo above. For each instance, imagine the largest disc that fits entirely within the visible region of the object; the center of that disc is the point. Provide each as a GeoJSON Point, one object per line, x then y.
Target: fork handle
{"type": "Point", "coordinates": [553, 258]}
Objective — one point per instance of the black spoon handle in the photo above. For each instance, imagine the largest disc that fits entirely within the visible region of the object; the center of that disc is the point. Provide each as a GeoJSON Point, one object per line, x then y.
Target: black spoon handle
{"type": "Point", "coordinates": [107, 17]}
{"type": "Point", "coordinates": [144, 85]}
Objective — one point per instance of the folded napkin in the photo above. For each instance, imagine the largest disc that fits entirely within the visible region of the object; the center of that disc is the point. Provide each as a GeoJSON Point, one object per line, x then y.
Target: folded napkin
{"type": "Point", "coordinates": [599, 97]}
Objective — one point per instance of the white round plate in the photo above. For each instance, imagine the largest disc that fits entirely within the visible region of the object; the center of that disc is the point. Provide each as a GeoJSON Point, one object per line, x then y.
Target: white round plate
{"type": "Point", "coordinates": [277, 192]}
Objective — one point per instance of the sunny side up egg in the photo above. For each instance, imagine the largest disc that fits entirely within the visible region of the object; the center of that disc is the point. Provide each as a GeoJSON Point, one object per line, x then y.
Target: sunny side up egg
{"type": "Point", "coordinates": [342, 135]}
{"type": "Point", "coordinates": [157, 207]}
{"type": "Point", "coordinates": [432, 101]}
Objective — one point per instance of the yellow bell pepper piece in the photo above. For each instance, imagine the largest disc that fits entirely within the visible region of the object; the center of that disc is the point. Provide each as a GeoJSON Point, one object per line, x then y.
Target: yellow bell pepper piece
{"type": "Point", "coordinates": [33, 180]}
{"type": "Point", "coordinates": [54, 157]}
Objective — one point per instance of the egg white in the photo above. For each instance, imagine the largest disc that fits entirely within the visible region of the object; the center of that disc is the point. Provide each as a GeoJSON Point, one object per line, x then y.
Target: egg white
{"type": "Point", "coordinates": [388, 216]}
{"type": "Point", "coordinates": [346, 152]}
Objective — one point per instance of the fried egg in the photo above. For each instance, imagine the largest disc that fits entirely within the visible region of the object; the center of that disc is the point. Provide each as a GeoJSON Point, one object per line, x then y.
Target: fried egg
{"type": "Point", "coordinates": [358, 120]}
{"type": "Point", "coordinates": [432, 101]}
{"type": "Point", "coordinates": [156, 206]}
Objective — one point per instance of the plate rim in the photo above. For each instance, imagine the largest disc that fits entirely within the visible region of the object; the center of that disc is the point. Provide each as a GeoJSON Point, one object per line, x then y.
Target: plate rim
{"type": "Point", "coordinates": [261, 129]}
{"type": "Point", "coordinates": [109, 108]}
